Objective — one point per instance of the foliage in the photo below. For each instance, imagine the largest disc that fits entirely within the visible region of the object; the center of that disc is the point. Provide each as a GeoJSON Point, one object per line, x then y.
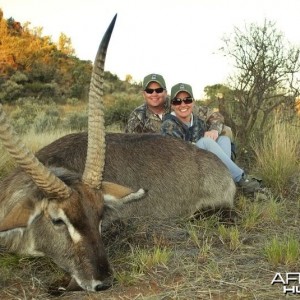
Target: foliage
{"type": "Point", "coordinates": [36, 72]}
{"type": "Point", "coordinates": [277, 155]}
{"type": "Point", "coordinates": [10, 90]}
{"type": "Point", "coordinates": [65, 45]}
{"type": "Point", "coordinates": [77, 121]}
{"type": "Point", "coordinates": [47, 120]}
{"type": "Point", "coordinates": [282, 250]}
{"type": "Point", "coordinates": [118, 112]}
{"type": "Point", "coordinates": [29, 115]}
{"type": "Point", "coordinates": [142, 260]}
{"type": "Point", "coordinates": [265, 75]}
{"type": "Point", "coordinates": [230, 236]}
{"type": "Point", "coordinates": [44, 69]}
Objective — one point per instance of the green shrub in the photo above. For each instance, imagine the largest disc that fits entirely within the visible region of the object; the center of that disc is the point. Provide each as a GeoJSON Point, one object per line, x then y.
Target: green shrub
{"type": "Point", "coordinates": [24, 114]}
{"type": "Point", "coordinates": [72, 101]}
{"type": "Point", "coordinates": [77, 121]}
{"type": "Point", "coordinates": [47, 121]}
{"type": "Point", "coordinates": [10, 90]}
{"type": "Point", "coordinates": [31, 114]}
{"type": "Point", "coordinates": [119, 111]}
{"type": "Point", "coordinates": [46, 90]}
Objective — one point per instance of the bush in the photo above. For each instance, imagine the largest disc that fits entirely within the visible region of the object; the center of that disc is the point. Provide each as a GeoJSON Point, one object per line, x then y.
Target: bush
{"type": "Point", "coordinates": [46, 121]}
{"type": "Point", "coordinates": [72, 101]}
{"type": "Point", "coordinates": [119, 112]}
{"type": "Point", "coordinates": [77, 121]}
{"type": "Point", "coordinates": [10, 90]}
{"type": "Point", "coordinates": [30, 114]}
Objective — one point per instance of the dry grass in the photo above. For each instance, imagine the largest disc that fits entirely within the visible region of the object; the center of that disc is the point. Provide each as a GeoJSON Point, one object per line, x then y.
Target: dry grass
{"type": "Point", "coordinates": [199, 259]}
{"type": "Point", "coordinates": [278, 155]}
{"type": "Point", "coordinates": [34, 142]}
{"type": "Point", "coordinates": [204, 258]}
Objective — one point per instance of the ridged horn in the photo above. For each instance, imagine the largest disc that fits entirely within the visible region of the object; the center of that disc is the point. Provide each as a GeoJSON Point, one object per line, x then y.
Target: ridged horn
{"type": "Point", "coordinates": [94, 165]}
{"type": "Point", "coordinates": [41, 175]}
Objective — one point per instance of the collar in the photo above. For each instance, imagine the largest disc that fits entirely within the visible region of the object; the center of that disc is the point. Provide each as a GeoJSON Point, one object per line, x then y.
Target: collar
{"type": "Point", "coordinates": [190, 124]}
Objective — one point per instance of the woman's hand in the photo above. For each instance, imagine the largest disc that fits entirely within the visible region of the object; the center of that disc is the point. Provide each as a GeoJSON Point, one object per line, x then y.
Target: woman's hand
{"type": "Point", "coordinates": [213, 134]}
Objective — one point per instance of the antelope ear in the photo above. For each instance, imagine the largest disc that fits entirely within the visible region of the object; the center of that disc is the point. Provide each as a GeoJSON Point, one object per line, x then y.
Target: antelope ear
{"type": "Point", "coordinates": [115, 194]}
{"type": "Point", "coordinates": [18, 217]}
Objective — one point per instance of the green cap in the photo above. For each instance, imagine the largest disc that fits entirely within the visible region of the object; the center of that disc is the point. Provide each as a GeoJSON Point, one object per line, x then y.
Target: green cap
{"type": "Point", "coordinates": [154, 78]}
{"type": "Point", "coordinates": [181, 87]}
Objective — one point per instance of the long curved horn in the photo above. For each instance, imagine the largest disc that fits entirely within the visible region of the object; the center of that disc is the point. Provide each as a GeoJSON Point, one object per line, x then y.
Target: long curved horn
{"type": "Point", "coordinates": [42, 177]}
{"type": "Point", "coordinates": [94, 165]}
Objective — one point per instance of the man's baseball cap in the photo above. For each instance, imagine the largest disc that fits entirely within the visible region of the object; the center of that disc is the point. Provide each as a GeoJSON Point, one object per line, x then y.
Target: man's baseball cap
{"type": "Point", "coordinates": [181, 87]}
{"type": "Point", "coordinates": [154, 78]}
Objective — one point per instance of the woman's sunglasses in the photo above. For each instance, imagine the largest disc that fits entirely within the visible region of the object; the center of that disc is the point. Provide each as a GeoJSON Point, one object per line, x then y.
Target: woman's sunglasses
{"type": "Point", "coordinates": [158, 90]}
{"type": "Point", "coordinates": [178, 101]}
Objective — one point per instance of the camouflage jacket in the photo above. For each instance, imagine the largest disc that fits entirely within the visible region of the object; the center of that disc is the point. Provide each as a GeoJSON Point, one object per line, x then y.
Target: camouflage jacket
{"type": "Point", "coordinates": [143, 120]}
{"type": "Point", "coordinates": [174, 127]}
{"type": "Point", "coordinates": [214, 120]}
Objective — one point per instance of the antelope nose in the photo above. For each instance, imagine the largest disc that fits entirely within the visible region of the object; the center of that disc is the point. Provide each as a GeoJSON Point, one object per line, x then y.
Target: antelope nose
{"type": "Point", "coordinates": [102, 286]}
{"type": "Point", "coordinates": [105, 284]}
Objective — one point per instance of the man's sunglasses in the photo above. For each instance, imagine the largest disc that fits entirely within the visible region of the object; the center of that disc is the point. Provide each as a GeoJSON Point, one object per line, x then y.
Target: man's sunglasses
{"type": "Point", "coordinates": [178, 101]}
{"type": "Point", "coordinates": [158, 90]}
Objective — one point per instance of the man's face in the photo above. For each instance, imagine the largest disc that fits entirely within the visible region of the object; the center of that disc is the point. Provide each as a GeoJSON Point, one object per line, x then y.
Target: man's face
{"type": "Point", "coordinates": [153, 97]}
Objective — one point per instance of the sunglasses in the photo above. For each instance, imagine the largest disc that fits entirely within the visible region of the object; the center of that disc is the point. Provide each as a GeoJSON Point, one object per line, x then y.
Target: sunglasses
{"type": "Point", "coordinates": [158, 90]}
{"type": "Point", "coordinates": [178, 101]}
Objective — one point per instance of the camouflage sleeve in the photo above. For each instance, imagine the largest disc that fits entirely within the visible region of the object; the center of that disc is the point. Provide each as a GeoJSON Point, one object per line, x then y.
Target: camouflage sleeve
{"type": "Point", "coordinates": [170, 128]}
{"type": "Point", "coordinates": [214, 120]}
{"type": "Point", "coordinates": [134, 123]}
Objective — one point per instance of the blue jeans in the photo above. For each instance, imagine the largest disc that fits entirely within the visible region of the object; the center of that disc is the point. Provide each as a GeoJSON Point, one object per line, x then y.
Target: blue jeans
{"type": "Point", "coordinates": [222, 149]}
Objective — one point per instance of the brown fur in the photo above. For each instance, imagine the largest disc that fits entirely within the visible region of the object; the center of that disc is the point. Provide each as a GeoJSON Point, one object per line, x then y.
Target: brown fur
{"type": "Point", "coordinates": [179, 177]}
{"type": "Point", "coordinates": [66, 230]}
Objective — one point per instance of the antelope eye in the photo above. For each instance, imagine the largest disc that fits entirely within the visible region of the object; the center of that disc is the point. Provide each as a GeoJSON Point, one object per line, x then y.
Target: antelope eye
{"type": "Point", "coordinates": [58, 222]}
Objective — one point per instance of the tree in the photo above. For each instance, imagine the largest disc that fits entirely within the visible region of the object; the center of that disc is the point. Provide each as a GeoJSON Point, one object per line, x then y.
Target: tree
{"type": "Point", "coordinates": [65, 45]}
{"type": "Point", "coordinates": [128, 78]}
{"type": "Point", "coordinates": [266, 75]}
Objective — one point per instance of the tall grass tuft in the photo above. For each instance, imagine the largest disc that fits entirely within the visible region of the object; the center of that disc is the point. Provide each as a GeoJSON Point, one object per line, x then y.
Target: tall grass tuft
{"type": "Point", "coordinates": [282, 251]}
{"type": "Point", "coordinates": [278, 155]}
{"type": "Point", "coordinates": [34, 141]}
{"type": "Point", "coordinates": [230, 236]}
{"type": "Point", "coordinates": [259, 214]}
{"type": "Point", "coordinates": [144, 260]}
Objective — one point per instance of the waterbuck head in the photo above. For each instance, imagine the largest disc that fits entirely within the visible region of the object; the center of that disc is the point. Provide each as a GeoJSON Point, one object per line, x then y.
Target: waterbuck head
{"type": "Point", "coordinates": [56, 212]}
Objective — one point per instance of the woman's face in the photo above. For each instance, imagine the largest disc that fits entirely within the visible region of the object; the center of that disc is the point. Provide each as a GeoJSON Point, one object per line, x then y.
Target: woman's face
{"type": "Point", "coordinates": [183, 110]}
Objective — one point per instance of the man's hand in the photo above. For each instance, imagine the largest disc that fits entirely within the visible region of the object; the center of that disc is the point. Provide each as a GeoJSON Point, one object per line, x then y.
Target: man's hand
{"type": "Point", "coordinates": [213, 134]}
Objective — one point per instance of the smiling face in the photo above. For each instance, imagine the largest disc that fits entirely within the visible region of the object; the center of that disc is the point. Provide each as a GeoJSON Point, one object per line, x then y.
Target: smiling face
{"type": "Point", "coordinates": [184, 110]}
{"type": "Point", "coordinates": [155, 100]}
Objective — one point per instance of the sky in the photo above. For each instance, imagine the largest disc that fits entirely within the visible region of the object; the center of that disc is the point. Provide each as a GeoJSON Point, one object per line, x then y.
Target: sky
{"type": "Point", "coordinates": [178, 39]}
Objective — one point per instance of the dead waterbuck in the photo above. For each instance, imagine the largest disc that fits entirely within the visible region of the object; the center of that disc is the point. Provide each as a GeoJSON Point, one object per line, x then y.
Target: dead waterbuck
{"type": "Point", "coordinates": [55, 212]}
{"type": "Point", "coordinates": [59, 194]}
{"type": "Point", "coordinates": [180, 178]}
